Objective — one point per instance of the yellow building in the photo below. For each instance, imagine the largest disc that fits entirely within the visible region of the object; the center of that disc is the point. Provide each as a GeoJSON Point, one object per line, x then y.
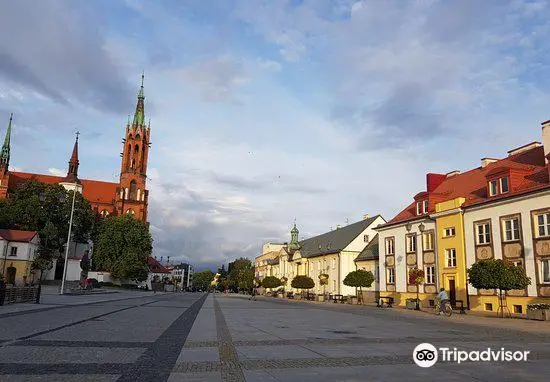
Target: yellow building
{"type": "Point", "coordinates": [17, 249]}
{"type": "Point", "coordinates": [451, 254]}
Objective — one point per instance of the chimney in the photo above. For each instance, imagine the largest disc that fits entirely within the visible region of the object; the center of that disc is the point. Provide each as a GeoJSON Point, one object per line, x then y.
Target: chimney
{"type": "Point", "coordinates": [453, 173]}
{"type": "Point", "coordinates": [434, 180]}
{"type": "Point", "coordinates": [487, 161]}
{"type": "Point", "coordinates": [337, 226]}
{"type": "Point", "coordinates": [546, 138]}
{"type": "Point", "coordinates": [366, 216]}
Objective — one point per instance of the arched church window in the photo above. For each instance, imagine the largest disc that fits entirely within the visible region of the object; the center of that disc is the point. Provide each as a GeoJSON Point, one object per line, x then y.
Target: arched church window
{"type": "Point", "coordinates": [137, 137]}
{"type": "Point", "coordinates": [136, 149]}
{"type": "Point", "coordinates": [122, 193]}
{"type": "Point", "coordinates": [104, 213]}
{"type": "Point", "coordinates": [126, 193]}
{"type": "Point", "coordinates": [138, 194]}
{"type": "Point", "coordinates": [130, 211]}
{"type": "Point", "coordinates": [133, 190]}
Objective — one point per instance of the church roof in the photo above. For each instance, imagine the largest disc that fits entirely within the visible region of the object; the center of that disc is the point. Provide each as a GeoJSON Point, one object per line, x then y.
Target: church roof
{"type": "Point", "coordinates": [92, 190]}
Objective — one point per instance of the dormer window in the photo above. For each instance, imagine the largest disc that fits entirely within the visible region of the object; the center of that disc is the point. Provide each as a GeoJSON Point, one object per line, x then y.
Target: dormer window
{"type": "Point", "coordinates": [499, 186]}
{"type": "Point", "coordinates": [422, 207]}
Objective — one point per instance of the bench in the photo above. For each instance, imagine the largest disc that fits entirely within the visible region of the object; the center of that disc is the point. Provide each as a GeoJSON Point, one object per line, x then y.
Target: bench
{"type": "Point", "coordinates": [338, 298]}
{"type": "Point", "coordinates": [385, 300]}
{"type": "Point", "coordinates": [459, 305]}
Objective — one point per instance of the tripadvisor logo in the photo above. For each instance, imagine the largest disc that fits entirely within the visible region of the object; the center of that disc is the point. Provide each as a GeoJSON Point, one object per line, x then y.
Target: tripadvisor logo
{"type": "Point", "coordinates": [426, 355]}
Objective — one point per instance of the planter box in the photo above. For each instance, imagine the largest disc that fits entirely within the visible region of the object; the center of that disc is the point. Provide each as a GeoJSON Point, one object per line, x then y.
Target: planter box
{"type": "Point", "coordinates": [538, 314]}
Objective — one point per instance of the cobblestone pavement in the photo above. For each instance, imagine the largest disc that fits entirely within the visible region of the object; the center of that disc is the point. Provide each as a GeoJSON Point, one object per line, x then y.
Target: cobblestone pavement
{"type": "Point", "coordinates": [194, 337]}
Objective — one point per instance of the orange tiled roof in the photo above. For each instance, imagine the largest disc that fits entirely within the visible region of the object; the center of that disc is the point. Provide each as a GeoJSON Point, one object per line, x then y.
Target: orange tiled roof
{"type": "Point", "coordinates": [155, 266]}
{"type": "Point", "coordinates": [17, 235]}
{"type": "Point", "coordinates": [93, 190]}
{"type": "Point", "coordinates": [529, 174]}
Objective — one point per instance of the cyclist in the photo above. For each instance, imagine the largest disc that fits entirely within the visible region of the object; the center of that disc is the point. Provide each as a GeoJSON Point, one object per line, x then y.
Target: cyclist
{"type": "Point", "coordinates": [443, 300]}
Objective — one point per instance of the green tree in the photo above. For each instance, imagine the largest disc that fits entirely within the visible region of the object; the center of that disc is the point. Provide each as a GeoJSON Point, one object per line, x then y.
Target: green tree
{"type": "Point", "coordinates": [122, 247]}
{"type": "Point", "coordinates": [42, 262]}
{"type": "Point", "coordinates": [302, 282]}
{"type": "Point", "coordinates": [203, 279]}
{"type": "Point", "coordinates": [241, 274]}
{"type": "Point", "coordinates": [46, 208]}
{"type": "Point", "coordinates": [416, 277]}
{"type": "Point", "coordinates": [271, 282]}
{"type": "Point", "coordinates": [500, 275]}
{"type": "Point", "coordinates": [359, 279]}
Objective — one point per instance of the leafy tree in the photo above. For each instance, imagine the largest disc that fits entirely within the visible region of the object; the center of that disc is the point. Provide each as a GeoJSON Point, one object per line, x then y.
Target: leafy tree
{"type": "Point", "coordinates": [498, 274]}
{"type": "Point", "coordinates": [359, 279]}
{"type": "Point", "coordinates": [122, 247]}
{"type": "Point", "coordinates": [302, 282]}
{"type": "Point", "coordinates": [241, 274]}
{"type": "Point", "coordinates": [271, 282]}
{"type": "Point", "coordinates": [416, 277]}
{"type": "Point", "coordinates": [203, 279]}
{"type": "Point", "coordinates": [323, 280]}
{"type": "Point", "coordinates": [46, 208]}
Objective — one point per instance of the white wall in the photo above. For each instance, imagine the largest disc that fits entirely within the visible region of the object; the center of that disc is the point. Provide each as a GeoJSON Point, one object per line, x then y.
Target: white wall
{"type": "Point", "coordinates": [494, 211]}
{"type": "Point", "coordinates": [399, 232]}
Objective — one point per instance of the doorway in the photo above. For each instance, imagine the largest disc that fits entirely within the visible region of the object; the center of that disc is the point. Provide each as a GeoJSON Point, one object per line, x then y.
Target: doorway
{"type": "Point", "coordinates": [10, 273]}
{"type": "Point", "coordinates": [452, 292]}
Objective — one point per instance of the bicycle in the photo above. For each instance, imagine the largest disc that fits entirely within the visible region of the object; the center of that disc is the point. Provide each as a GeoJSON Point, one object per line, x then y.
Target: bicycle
{"type": "Point", "coordinates": [448, 311]}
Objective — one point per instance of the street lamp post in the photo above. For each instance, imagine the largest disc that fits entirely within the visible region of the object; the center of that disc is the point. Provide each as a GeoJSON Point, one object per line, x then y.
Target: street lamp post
{"type": "Point", "coordinates": [67, 245]}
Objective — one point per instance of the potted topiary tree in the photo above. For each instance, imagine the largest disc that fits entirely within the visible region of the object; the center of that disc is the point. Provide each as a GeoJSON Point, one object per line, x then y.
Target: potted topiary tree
{"type": "Point", "coordinates": [500, 275]}
{"type": "Point", "coordinates": [359, 279]}
{"type": "Point", "coordinates": [270, 282]}
{"type": "Point", "coordinates": [416, 277]}
{"type": "Point", "coordinates": [302, 282]}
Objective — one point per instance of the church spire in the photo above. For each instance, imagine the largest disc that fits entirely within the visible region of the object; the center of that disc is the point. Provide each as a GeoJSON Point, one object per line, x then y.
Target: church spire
{"type": "Point", "coordinates": [139, 115]}
{"type": "Point", "coordinates": [72, 173]}
{"type": "Point", "coordinates": [5, 154]}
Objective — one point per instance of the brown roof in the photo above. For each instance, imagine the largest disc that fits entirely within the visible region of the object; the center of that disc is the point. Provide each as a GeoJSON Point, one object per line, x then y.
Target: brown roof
{"type": "Point", "coordinates": [528, 173]}
{"type": "Point", "coordinates": [17, 235]}
{"type": "Point", "coordinates": [93, 190]}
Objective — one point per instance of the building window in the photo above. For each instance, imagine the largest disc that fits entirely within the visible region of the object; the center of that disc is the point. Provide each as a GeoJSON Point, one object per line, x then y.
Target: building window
{"type": "Point", "coordinates": [511, 229]}
{"type": "Point", "coordinates": [13, 251]}
{"type": "Point", "coordinates": [428, 241]}
{"type": "Point", "coordinates": [499, 186]}
{"type": "Point", "coordinates": [410, 243]}
{"type": "Point", "coordinates": [504, 188]}
{"type": "Point", "coordinates": [376, 274]}
{"type": "Point", "coordinates": [545, 267]}
{"type": "Point", "coordinates": [430, 274]}
{"type": "Point", "coordinates": [130, 212]}
{"type": "Point", "coordinates": [422, 207]}
{"type": "Point", "coordinates": [450, 256]}
{"type": "Point", "coordinates": [390, 246]}
{"type": "Point", "coordinates": [366, 238]}
{"type": "Point", "coordinates": [391, 275]}
{"type": "Point", "coordinates": [449, 232]}
{"type": "Point", "coordinates": [104, 213]}
{"type": "Point", "coordinates": [483, 233]}
{"type": "Point", "coordinates": [493, 188]}
{"type": "Point", "coordinates": [518, 263]}
{"type": "Point", "coordinates": [543, 224]}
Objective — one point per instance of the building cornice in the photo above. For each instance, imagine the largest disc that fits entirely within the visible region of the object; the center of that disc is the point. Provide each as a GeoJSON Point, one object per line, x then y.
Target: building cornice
{"type": "Point", "coordinates": [496, 203]}
{"type": "Point", "coordinates": [423, 219]}
{"type": "Point", "coordinates": [446, 213]}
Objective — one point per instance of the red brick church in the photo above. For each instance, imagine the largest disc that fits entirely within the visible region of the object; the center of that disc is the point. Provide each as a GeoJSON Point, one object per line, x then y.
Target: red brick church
{"type": "Point", "coordinates": [128, 196]}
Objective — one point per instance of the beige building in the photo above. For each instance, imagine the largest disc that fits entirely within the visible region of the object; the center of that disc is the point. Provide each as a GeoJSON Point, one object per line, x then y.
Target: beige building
{"type": "Point", "coordinates": [333, 254]}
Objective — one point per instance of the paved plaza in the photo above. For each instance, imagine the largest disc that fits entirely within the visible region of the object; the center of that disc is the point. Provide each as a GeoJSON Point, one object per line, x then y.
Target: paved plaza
{"type": "Point", "coordinates": [197, 337]}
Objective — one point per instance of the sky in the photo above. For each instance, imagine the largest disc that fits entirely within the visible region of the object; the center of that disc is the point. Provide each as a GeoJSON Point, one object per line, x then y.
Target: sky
{"type": "Point", "coordinates": [263, 112]}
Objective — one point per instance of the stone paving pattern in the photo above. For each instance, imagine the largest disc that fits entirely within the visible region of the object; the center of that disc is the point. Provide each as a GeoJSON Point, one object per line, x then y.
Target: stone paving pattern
{"type": "Point", "coordinates": [196, 337]}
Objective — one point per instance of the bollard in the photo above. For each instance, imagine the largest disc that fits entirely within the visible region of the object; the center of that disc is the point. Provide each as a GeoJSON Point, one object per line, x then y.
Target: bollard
{"type": "Point", "coordinates": [38, 291]}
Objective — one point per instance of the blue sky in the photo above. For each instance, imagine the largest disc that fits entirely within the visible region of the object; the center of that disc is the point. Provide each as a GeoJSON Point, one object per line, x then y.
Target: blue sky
{"type": "Point", "coordinates": [266, 111]}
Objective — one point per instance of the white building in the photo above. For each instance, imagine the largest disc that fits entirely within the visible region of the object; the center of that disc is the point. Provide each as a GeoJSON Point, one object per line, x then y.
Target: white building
{"type": "Point", "coordinates": [18, 250]}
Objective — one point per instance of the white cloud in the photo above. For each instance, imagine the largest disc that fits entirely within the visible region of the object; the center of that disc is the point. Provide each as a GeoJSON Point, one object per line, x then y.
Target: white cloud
{"type": "Point", "coordinates": [56, 172]}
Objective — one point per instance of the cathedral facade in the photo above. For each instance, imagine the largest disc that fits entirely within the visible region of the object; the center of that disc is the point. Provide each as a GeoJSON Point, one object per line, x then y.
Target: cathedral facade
{"type": "Point", "coordinates": [128, 196]}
